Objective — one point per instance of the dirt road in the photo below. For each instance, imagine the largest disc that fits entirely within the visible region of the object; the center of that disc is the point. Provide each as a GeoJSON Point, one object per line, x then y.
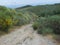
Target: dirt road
{"type": "Point", "coordinates": [25, 36]}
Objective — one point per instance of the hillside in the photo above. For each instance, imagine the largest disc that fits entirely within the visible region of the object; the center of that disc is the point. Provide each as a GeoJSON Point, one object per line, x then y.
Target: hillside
{"type": "Point", "coordinates": [24, 7]}
{"type": "Point", "coordinates": [48, 21]}
{"type": "Point", "coordinates": [10, 18]}
{"type": "Point", "coordinates": [39, 21]}
{"type": "Point", "coordinates": [42, 10]}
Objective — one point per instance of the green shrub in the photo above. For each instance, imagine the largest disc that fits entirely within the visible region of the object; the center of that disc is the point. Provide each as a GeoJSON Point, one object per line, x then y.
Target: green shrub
{"type": "Point", "coordinates": [45, 31]}
{"type": "Point", "coordinates": [11, 17]}
{"type": "Point", "coordinates": [54, 23]}
{"type": "Point", "coordinates": [8, 18]}
{"type": "Point", "coordinates": [25, 18]}
{"type": "Point", "coordinates": [35, 25]}
{"type": "Point", "coordinates": [48, 25]}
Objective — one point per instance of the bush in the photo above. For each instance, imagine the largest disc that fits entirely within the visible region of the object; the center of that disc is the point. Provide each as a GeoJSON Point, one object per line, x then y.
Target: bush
{"type": "Point", "coordinates": [48, 25]}
{"type": "Point", "coordinates": [35, 26]}
{"type": "Point", "coordinates": [25, 18]}
{"type": "Point", "coordinates": [45, 31]}
{"type": "Point", "coordinates": [54, 23]}
{"type": "Point", "coordinates": [8, 18]}
{"type": "Point", "coordinates": [5, 24]}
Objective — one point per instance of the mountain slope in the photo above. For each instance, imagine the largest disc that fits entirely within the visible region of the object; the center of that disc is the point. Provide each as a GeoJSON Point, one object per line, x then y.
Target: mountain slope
{"type": "Point", "coordinates": [42, 10]}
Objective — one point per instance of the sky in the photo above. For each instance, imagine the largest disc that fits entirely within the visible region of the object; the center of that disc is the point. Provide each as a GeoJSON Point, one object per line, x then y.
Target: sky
{"type": "Point", "coordinates": [18, 3]}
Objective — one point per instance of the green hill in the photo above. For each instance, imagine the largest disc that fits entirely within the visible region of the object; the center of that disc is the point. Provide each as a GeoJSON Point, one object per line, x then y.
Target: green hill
{"type": "Point", "coordinates": [42, 10]}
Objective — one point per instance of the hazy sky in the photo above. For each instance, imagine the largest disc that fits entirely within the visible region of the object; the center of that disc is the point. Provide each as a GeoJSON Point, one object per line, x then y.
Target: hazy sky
{"type": "Point", "coordinates": [27, 2]}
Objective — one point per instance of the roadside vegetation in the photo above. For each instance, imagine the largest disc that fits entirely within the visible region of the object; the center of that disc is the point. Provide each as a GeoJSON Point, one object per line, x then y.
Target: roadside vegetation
{"type": "Point", "coordinates": [10, 18]}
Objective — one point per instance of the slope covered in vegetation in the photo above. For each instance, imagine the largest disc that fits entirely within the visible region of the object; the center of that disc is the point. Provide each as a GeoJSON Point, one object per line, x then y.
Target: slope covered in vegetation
{"type": "Point", "coordinates": [10, 17]}
{"type": "Point", "coordinates": [46, 17]}
{"type": "Point", "coordinates": [43, 10]}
